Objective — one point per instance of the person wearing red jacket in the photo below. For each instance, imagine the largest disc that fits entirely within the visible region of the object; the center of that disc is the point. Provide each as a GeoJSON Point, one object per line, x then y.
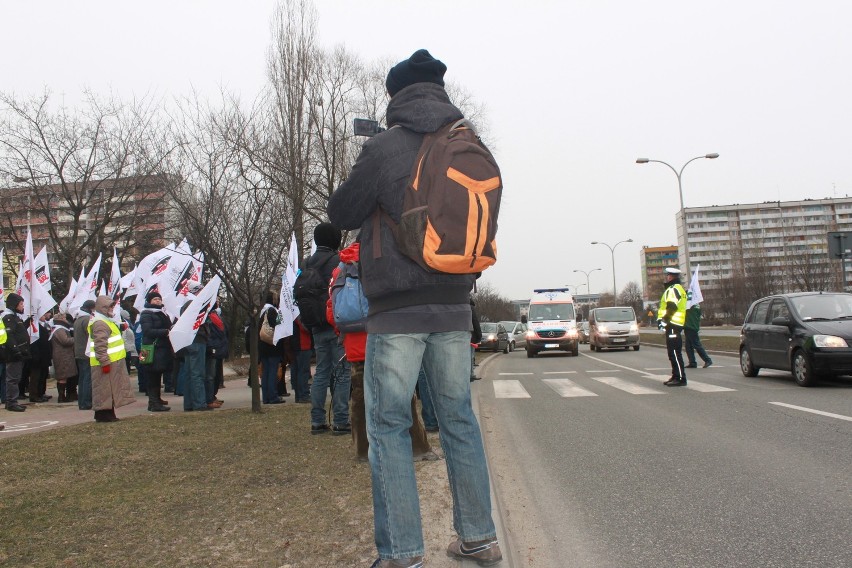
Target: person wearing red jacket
{"type": "Point", "coordinates": [354, 344]}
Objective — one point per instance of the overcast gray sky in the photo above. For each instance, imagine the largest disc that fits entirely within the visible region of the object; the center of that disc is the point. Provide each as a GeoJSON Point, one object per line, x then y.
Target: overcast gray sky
{"type": "Point", "coordinates": [575, 92]}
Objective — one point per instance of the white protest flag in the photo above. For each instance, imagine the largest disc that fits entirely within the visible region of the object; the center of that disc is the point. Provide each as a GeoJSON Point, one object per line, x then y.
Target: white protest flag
{"type": "Point", "coordinates": [103, 290]}
{"type": "Point", "coordinates": [114, 288]}
{"type": "Point", "coordinates": [26, 284]}
{"type": "Point", "coordinates": [66, 301]}
{"type": "Point", "coordinates": [2, 277]}
{"type": "Point", "coordinates": [149, 272]}
{"type": "Point", "coordinates": [174, 285]}
{"type": "Point", "coordinates": [198, 262]}
{"type": "Point", "coordinates": [128, 283]}
{"type": "Point", "coordinates": [693, 295]}
{"type": "Point", "coordinates": [286, 304]}
{"type": "Point", "coordinates": [86, 288]}
{"type": "Point", "coordinates": [183, 331]}
{"type": "Point", "coordinates": [42, 269]}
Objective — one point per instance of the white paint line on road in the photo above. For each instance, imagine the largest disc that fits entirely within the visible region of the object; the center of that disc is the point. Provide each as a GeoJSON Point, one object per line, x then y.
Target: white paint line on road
{"type": "Point", "coordinates": [509, 389]}
{"type": "Point", "coordinates": [603, 371]}
{"type": "Point", "coordinates": [657, 368]}
{"type": "Point", "coordinates": [559, 372]}
{"type": "Point", "coordinates": [704, 387]}
{"type": "Point", "coordinates": [641, 372]}
{"type": "Point", "coordinates": [812, 411]}
{"type": "Point", "coordinates": [29, 426]}
{"type": "Point", "coordinates": [625, 386]}
{"type": "Point", "coordinates": [566, 388]}
{"type": "Point", "coordinates": [513, 374]}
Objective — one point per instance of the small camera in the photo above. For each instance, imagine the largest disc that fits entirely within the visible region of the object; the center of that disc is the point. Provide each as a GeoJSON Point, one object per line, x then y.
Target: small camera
{"type": "Point", "coordinates": [367, 127]}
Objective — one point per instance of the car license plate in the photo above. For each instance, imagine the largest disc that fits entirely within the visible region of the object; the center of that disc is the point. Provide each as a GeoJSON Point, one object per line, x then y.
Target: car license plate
{"type": "Point", "coordinates": [621, 340]}
{"type": "Point", "coordinates": [551, 345]}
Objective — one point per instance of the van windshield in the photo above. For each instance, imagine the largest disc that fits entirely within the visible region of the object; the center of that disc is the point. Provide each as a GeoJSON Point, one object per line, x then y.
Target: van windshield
{"type": "Point", "coordinates": [544, 312]}
{"type": "Point", "coordinates": [615, 314]}
{"type": "Point", "coordinates": [823, 306]}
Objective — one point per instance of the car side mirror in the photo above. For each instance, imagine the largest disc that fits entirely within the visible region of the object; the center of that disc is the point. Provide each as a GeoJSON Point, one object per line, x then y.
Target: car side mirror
{"type": "Point", "coordinates": [524, 319]}
{"type": "Point", "coordinates": [781, 320]}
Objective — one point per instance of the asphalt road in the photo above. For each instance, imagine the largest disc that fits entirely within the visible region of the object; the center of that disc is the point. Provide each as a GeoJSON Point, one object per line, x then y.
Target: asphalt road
{"type": "Point", "coordinates": [596, 463]}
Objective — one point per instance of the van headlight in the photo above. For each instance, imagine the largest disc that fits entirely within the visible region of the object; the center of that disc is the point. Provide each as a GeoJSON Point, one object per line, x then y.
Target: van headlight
{"type": "Point", "coordinates": [829, 341]}
{"type": "Point", "coordinates": [602, 329]}
{"type": "Point", "coordinates": [634, 328]}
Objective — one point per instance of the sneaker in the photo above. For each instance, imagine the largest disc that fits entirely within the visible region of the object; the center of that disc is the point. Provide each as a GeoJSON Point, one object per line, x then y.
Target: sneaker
{"type": "Point", "coordinates": [484, 552]}
{"type": "Point", "coordinates": [341, 430]}
{"type": "Point", "coordinates": [319, 428]}
{"type": "Point", "coordinates": [708, 364]}
{"type": "Point", "coordinates": [416, 562]}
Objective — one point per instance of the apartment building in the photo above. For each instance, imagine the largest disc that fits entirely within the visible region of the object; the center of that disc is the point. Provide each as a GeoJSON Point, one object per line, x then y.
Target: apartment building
{"type": "Point", "coordinates": [652, 261]}
{"type": "Point", "coordinates": [784, 243]}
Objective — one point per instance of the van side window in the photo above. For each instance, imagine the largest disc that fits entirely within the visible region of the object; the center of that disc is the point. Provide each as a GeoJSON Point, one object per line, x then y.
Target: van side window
{"type": "Point", "coordinates": [778, 310]}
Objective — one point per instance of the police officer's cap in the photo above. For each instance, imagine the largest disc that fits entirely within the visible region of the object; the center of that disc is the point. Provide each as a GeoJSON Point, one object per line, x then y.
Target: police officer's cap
{"type": "Point", "coordinates": [672, 270]}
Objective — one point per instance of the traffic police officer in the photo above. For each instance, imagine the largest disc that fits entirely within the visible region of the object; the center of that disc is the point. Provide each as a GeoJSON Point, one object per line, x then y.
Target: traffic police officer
{"type": "Point", "coordinates": [671, 318]}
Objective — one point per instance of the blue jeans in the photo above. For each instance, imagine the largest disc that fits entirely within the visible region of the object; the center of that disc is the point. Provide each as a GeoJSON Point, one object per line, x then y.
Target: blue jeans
{"type": "Point", "coordinates": [330, 362]}
{"type": "Point", "coordinates": [430, 421]}
{"type": "Point", "coordinates": [693, 344]}
{"type": "Point", "coordinates": [3, 382]}
{"type": "Point", "coordinates": [391, 369]}
{"type": "Point", "coordinates": [269, 379]}
{"type": "Point", "coordinates": [84, 384]}
{"type": "Point", "coordinates": [195, 369]}
{"type": "Point", "coordinates": [210, 379]}
{"type": "Point", "coordinates": [300, 375]}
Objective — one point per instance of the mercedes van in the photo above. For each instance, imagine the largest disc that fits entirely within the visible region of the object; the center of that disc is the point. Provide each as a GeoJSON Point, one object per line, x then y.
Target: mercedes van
{"type": "Point", "coordinates": [551, 322]}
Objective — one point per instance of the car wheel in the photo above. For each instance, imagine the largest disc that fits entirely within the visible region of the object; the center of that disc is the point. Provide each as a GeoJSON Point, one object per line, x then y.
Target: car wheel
{"type": "Point", "coordinates": [635, 348]}
{"type": "Point", "coordinates": [627, 348]}
{"type": "Point", "coordinates": [530, 353]}
{"type": "Point", "coordinates": [802, 370]}
{"type": "Point", "coordinates": [746, 366]}
{"type": "Point", "coordinates": [506, 349]}
{"type": "Point", "coordinates": [511, 347]}
{"type": "Point", "coordinates": [576, 351]}
{"type": "Point", "coordinates": [591, 345]}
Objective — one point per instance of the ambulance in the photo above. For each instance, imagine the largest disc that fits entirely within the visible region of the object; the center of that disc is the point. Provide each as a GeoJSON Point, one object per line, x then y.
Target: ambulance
{"type": "Point", "coordinates": [551, 322]}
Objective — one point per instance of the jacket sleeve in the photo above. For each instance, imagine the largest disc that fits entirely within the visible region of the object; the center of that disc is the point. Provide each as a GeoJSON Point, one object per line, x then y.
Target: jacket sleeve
{"type": "Point", "coordinates": [63, 338]}
{"type": "Point", "coordinates": [100, 337]}
{"type": "Point", "coordinates": [149, 331]}
{"type": "Point", "coordinates": [356, 198]}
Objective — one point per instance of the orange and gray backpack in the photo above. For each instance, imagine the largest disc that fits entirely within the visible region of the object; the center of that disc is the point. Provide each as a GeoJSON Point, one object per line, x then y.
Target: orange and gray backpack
{"type": "Point", "coordinates": [449, 213]}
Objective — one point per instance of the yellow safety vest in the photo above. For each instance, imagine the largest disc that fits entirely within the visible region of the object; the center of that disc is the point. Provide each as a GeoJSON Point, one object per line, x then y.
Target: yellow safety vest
{"type": "Point", "coordinates": [115, 344]}
{"type": "Point", "coordinates": [677, 295]}
{"type": "Point", "coordinates": [3, 334]}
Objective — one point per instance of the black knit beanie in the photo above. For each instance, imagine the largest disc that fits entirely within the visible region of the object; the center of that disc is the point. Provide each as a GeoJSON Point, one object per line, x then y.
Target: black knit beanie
{"type": "Point", "coordinates": [327, 235]}
{"type": "Point", "coordinates": [421, 67]}
{"type": "Point", "coordinates": [151, 295]}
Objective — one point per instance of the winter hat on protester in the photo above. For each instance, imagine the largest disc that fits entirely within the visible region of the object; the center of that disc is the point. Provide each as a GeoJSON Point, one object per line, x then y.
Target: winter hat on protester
{"type": "Point", "coordinates": [88, 306]}
{"type": "Point", "coordinates": [151, 295]}
{"type": "Point", "coordinates": [421, 67]}
{"type": "Point", "coordinates": [13, 301]}
{"type": "Point", "coordinates": [327, 235]}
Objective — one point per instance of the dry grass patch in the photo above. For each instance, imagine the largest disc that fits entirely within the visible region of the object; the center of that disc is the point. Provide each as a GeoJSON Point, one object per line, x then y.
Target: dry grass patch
{"type": "Point", "coordinates": [225, 488]}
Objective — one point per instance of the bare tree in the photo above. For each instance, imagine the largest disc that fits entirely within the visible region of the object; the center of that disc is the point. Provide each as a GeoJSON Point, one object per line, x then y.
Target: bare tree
{"type": "Point", "coordinates": [86, 177]}
{"type": "Point", "coordinates": [491, 306]}
{"type": "Point", "coordinates": [228, 207]}
{"type": "Point", "coordinates": [631, 295]}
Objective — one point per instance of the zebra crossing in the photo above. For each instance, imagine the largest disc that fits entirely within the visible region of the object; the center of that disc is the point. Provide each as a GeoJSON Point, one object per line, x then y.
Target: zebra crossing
{"type": "Point", "coordinates": [571, 388]}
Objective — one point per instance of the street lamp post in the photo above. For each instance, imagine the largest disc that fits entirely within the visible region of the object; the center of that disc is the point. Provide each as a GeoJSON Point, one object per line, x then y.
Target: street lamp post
{"type": "Point", "coordinates": [712, 156]}
{"type": "Point", "coordinates": [612, 252]}
{"type": "Point", "coordinates": [588, 288]}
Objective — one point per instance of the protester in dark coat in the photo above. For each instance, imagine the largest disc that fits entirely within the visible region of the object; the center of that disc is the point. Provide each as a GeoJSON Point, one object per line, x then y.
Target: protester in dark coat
{"type": "Point", "coordinates": [155, 327]}
{"type": "Point", "coordinates": [16, 349]}
{"type": "Point", "coordinates": [84, 368]}
{"type": "Point", "coordinates": [64, 365]}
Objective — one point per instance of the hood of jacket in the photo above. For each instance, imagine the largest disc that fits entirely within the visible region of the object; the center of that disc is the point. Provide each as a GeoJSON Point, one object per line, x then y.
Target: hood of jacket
{"type": "Point", "coordinates": [422, 107]}
{"type": "Point", "coordinates": [103, 306]}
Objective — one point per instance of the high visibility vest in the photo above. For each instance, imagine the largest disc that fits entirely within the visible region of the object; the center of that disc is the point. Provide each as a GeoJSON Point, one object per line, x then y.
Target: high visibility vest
{"type": "Point", "coordinates": [677, 295]}
{"type": "Point", "coordinates": [115, 344]}
{"type": "Point", "coordinates": [3, 334]}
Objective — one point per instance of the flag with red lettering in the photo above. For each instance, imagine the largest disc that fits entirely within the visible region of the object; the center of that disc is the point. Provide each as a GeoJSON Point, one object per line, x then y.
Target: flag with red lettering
{"type": "Point", "coordinates": [184, 330]}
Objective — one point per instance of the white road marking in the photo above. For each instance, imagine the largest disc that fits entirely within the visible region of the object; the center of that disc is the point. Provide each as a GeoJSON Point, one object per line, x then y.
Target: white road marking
{"type": "Point", "coordinates": [509, 389]}
{"type": "Point", "coordinates": [29, 426]}
{"type": "Point", "coordinates": [704, 387]}
{"type": "Point", "coordinates": [812, 411]}
{"type": "Point", "coordinates": [614, 364]}
{"type": "Point", "coordinates": [657, 368]}
{"type": "Point", "coordinates": [513, 374]}
{"type": "Point", "coordinates": [603, 371]}
{"type": "Point", "coordinates": [566, 388]}
{"type": "Point", "coordinates": [625, 386]}
{"type": "Point", "coordinates": [559, 372]}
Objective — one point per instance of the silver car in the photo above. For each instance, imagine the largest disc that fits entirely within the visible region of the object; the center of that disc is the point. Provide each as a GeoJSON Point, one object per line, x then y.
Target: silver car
{"type": "Point", "coordinates": [517, 334]}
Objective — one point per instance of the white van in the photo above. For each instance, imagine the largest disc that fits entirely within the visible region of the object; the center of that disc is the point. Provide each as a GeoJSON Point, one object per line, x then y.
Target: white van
{"type": "Point", "coordinates": [613, 328]}
{"type": "Point", "coordinates": [551, 322]}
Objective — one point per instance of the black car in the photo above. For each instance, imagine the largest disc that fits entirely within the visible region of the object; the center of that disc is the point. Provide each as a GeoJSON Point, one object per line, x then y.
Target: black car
{"type": "Point", "coordinates": [494, 337]}
{"type": "Point", "coordinates": [807, 333]}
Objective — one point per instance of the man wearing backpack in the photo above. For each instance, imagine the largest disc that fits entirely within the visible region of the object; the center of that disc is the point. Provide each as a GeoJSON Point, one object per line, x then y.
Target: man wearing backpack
{"type": "Point", "coordinates": [311, 293]}
{"type": "Point", "coordinates": [416, 316]}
